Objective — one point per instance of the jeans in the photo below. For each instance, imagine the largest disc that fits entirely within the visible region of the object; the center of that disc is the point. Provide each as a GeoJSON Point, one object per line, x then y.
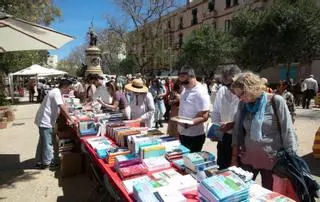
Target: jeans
{"type": "Point", "coordinates": [160, 110]}
{"type": "Point", "coordinates": [44, 154]}
{"type": "Point", "coordinates": [195, 143]}
{"type": "Point", "coordinates": [224, 152]}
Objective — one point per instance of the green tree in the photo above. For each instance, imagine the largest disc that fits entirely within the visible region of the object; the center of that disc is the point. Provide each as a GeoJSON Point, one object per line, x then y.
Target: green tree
{"type": "Point", "coordinates": [39, 11]}
{"type": "Point", "coordinates": [288, 31]}
{"type": "Point", "coordinates": [143, 29]}
{"type": "Point", "coordinates": [205, 49]}
{"type": "Point", "coordinates": [127, 66]}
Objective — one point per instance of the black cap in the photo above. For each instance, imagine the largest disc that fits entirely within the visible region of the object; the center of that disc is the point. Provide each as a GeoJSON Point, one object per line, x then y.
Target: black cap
{"type": "Point", "coordinates": [188, 71]}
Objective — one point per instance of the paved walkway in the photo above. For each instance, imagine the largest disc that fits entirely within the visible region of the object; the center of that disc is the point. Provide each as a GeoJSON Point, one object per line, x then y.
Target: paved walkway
{"type": "Point", "coordinates": [20, 182]}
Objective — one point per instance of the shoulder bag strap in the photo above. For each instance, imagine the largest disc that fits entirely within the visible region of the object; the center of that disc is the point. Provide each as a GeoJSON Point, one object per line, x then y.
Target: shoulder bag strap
{"type": "Point", "coordinates": [277, 117]}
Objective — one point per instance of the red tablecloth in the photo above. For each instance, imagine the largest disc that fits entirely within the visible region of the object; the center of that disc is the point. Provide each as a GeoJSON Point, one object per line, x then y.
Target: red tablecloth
{"type": "Point", "coordinates": [115, 178]}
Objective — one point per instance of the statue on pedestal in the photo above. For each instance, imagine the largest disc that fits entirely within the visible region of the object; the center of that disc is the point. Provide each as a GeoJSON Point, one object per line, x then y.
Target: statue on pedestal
{"type": "Point", "coordinates": [93, 36]}
{"type": "Point", "coordinates": [93, 54]}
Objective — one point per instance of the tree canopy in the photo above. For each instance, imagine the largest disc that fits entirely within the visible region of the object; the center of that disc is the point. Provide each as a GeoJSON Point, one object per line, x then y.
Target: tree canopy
{"type": "Point", "coordinates": [288, 31]}
{"type": "Point", "coordinates": [39, 11]}
{"type": "Point", "coordinates": [205, 49]}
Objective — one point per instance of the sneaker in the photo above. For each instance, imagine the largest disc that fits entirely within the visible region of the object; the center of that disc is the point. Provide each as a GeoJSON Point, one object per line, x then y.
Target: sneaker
{"type": "Point", "coordinates": [44, 166]}
{"type": "Point", "coordinates": [54, 165]}
{"type": "Point", "coordinates": [38, 165]}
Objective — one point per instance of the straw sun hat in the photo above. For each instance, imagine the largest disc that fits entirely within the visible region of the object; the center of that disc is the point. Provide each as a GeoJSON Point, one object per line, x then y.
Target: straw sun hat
{"type": "Point", "coordinates": [137, 86]}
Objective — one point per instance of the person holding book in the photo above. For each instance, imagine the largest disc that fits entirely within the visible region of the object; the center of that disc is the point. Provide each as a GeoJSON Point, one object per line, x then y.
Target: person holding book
{"type": "Point", "coordinates": [119, 100]}
{"type": "Point", "coordinates": [224, 109]}
{"type": "Point", "coordinates": [194, 105]}
{"type": "Point", "coordinates": [263, 126]}
{"type": "Point", "coordinates": [141, 103]}
{"type": "Point", "coordinates": [174, 102]}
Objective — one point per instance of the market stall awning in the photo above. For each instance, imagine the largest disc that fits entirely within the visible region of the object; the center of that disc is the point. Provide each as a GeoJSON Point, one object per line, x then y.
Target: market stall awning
{"type": "Point", "coordinates": [39, 71]}
{"type": "Point", "coordinates": [20, 35]}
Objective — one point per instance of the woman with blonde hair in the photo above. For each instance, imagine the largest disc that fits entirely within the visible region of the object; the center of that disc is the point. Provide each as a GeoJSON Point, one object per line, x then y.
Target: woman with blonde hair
{"type": "Point", "coordinates": [260, 121]}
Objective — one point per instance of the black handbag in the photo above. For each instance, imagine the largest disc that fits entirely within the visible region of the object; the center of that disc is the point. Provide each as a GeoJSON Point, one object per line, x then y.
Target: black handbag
{"type": "Point", "coordinates": [290, 165]}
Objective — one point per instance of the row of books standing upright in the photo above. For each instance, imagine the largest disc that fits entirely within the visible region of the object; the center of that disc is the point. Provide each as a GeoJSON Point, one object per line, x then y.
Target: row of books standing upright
{"type": "Point", "coordinates": [154, 166]}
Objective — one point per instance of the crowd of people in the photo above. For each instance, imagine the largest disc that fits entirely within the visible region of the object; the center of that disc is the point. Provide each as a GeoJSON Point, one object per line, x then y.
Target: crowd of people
{"type": "Point", "coordinates": [252, 117]}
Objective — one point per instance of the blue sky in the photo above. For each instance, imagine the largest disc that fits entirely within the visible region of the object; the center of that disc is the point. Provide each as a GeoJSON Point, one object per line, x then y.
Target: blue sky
{"type": "Point", "coordinates": [76, 18]}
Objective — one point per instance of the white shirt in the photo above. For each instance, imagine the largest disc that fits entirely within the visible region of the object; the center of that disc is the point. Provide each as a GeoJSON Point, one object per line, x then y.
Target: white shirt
{"type": "Point", "coordinates": [102, 91]}
{"type": "Point", "coordinates": [49, 110]}
{"type": "Point", "coordinates": [225, 106]}
{"type": "Point", "coordinates": [192, 102]}
{"type": "Point", "coordinates": [311, 84]}
{"type": "Point", "coordinates": [142, 106]}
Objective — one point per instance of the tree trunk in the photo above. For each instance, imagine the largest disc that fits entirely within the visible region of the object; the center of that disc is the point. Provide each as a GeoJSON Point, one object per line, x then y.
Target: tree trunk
{"type": "Point", "coordinates": [288, 71]}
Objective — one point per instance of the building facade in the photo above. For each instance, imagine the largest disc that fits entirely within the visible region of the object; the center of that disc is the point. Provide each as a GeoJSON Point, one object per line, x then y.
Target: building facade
{"type": "Point", "coordinates": [52, 61]}
{"type": "Point", "coordinates": [179, 24]}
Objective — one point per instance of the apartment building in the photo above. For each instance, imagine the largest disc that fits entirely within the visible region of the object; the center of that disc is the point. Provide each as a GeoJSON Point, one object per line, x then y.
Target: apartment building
{"type": "Point", "coordinates": [179, 24]}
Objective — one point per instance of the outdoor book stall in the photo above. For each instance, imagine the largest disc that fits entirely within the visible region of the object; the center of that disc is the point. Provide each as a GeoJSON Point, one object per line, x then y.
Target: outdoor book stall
{"type": "Point", "coordinates": [135, 163]}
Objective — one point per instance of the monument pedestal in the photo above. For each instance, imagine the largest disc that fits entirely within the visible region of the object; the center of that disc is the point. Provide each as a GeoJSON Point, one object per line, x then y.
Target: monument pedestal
{"type": "Point", "coordinates": [93, 61]}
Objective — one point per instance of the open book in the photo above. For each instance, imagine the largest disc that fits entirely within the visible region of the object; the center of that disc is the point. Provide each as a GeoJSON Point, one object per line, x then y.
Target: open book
{"type": "Point", "coordinates": [181, 119]}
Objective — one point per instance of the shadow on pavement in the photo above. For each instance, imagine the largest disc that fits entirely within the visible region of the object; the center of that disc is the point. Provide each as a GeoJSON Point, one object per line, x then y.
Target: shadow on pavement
{"type": "Point", "coordinates": [313, 163]}
{"type": "Point", "coordinates": [12, 170]}
{"type": "Point", "coordinates": [76, 188]}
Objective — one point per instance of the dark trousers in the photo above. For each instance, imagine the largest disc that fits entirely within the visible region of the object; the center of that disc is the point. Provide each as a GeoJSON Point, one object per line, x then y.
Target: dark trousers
{"type": "Point", "coordinates": [266, 175]}
{"type": "Point", "coordinates": [224, 152]}
{"type": "Point", "coordinates": [297, 98]}
{"type": "Point", "coordinates": [307, 96]}
{"type": "Point", "coordinates": [195, 143]}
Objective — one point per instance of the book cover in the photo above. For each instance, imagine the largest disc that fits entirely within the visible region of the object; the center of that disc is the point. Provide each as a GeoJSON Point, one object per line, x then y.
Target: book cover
{"type": "Point", "coordinates": [224, 185]}
{"type": "Point", "coordinates": [166, 175]}
{"type": "Point", "coordinates": [128, 184]}
{"type": "Point", "coordinates": [181, 119]}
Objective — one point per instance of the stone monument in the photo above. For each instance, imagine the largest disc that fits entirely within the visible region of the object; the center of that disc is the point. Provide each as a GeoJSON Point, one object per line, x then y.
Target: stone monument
{"type": "Point", "coordinates": [93, 54]}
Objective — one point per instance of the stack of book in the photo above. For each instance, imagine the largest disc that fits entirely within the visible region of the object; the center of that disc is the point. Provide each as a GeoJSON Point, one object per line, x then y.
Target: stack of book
{"type": "Point", "coordinates": [156, 163]}
{"type": "Point", "coordinates": [193, 161]}
{"type": "Point", "coordinates": [87, 128]}
{"type": "Point", "coordinates": [152, 150]}
{"type": "Point", "coordinates": [135, 141]}
{"type": "Point", "coordinates": [132, 123]}
{"type": "Point", "coordinates": [113, 152]}
{"type": "Point", "coordinates": [128, 184]}
{"type": "Point", "coordinates": [126, 160]}
{"type": "Point", "coordinates": [133, 170]}
{"type": "Point", "coordinates": [121, 137]}
{"type": "Point", "coordinates": [143, 192]}
{"type": "Point", "coordinates": [112, 125]}
{"type": "Point", "coordinates": [258, 193]}
{"type": "Point", "coordinates": [179, 164]}
{"type": "Point", "coordinates": [100, 145]}
{"type": "Point", "coordinates": [226, 186]}
{"type": "Point", "coordinates": [176, 152]}
{"type": "Point", "coordinates": [114, 116]}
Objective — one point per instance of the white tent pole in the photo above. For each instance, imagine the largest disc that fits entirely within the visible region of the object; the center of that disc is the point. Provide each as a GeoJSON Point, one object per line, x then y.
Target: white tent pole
{"type": "Point", "coordinates": [11, 88]}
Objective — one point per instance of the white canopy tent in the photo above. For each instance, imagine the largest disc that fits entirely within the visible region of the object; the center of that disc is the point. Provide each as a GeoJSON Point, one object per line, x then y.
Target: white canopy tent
{"type": "Point", "coordinates": [39, 71]}
{"type": "Point", "coordinates": [34, 70]}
